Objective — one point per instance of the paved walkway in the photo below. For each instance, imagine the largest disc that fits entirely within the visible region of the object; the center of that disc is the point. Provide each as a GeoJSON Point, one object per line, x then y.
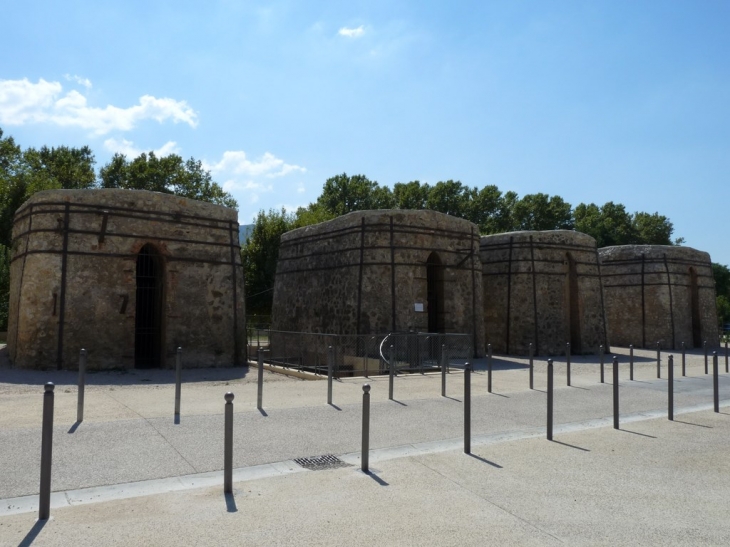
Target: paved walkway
{"type": "Point", "coordinates": [654, 482]}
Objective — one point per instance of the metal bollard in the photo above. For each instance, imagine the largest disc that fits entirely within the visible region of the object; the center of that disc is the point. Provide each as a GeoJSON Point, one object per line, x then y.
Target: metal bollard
{"type": "Point", "coordinates": [631, 362]}
{"type": "Point", "coordinates": [567, 363]}
{"type": "Point", "coordinates": [365, 454]}
{"type": "Point", "coordinates": [615, 393]}
{"type": "Point", "coordinates": [726, 358]}
{"type": "Point", "coordinates": [715, 386]}
{"type": "Point", "coordinates": [467, 408]}
{"type": "Point", "coordinates": [684, 360]}
{"type": "Point", "coordinates": [600, 351]}
{"type": "Point", "coordinates": [704, 344]}
{"type": "Point", "coordinates": [532, 368]}
{"type": "Point", "coordinates": [228, 446]}
{"type": "Point", "coordinates": [444, 358]}
{"type": "Point", "coordinates": [178, 380]}
{"type": "Point", "coordinates": [330, 372]}
{"type": "Point", "coordinates": [658, 360]}
{"type": "Point", "coordinates": [260, 394]}
{"type": "Point", "coordinates": [44, 502]}
{"type": "Point", "coordinates": [489, 368]}
{"type": "Point", "coordinates": [82, 385]}
{"type": "Point", "coordinates": [550, 400]}
{"type": "Point", "coordinates": [391, 372]}
{"type": "Point", "coordinates": [670, 387]}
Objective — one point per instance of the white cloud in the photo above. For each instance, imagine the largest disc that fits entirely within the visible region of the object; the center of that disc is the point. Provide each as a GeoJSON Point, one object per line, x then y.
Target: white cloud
{"type": "Point", "coordinates": [352, 32]}
{"type": "Point", "coordinates": [22, 101]}
{"type": "Point", "coordinates": [79, 80]}
{"type": "Point", "coordinates": [235, 162]}
{"type": "Point", "coordinates": [123, 146]}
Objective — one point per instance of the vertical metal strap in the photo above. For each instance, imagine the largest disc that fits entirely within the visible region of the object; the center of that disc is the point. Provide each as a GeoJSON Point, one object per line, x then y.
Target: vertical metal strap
{"type": "Point", "coordinates": [473, 297]}
{"type": "Point", "coordinates": [509, 293]}
{"type": "Point", "coordinates": [359, 278]}
{"type": "Point", "coordinates": [671, 301]}
{"type": "Point", "coordinates": [534, 299]}
{"type": "Point", "coordinates": [392, 277]}
{"type": "Point", "coordinates": [643, 303]}
{"type": "Point", "coordinates": [235, 295]}
{"type": "Point", "coordinates": [64, 265]}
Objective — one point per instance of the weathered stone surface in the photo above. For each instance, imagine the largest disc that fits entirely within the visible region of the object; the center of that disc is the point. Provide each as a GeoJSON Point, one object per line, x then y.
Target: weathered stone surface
{"type": "Point", "coordinates": [530, 295]}
{"type": "Point", "coordinates": [102, 232]}
{"type": "Point", "coordinates": [649, 296]}
{"type": "Point", "coordinates": [365, 273]}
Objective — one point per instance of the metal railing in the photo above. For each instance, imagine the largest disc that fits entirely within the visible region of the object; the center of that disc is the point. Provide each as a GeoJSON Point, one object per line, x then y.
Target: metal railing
{"type": "Point", "coordinates": [359, 355]}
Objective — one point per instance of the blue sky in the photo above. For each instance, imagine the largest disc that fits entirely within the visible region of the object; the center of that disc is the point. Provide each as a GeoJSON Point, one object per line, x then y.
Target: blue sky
{"type": "Point", "coordinates": [595, 101]}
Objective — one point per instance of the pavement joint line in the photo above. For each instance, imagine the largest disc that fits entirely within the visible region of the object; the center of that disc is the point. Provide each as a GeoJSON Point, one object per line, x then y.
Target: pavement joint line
{"type": "Point", "coordinates": [96, 494]}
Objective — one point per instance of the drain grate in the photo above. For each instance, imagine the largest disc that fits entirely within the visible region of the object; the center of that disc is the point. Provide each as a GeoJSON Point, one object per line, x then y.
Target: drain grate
{"type": "Point", "coordinates": [318, 463]}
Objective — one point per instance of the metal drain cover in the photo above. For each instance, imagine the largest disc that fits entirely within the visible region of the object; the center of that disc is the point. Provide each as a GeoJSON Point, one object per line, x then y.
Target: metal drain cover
{"type": "Point", "coordinates": [318, 463]}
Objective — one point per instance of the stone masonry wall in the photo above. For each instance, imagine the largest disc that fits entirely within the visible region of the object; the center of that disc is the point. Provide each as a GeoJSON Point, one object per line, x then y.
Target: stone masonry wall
{"type": "Point", "coordinates": [73, 279]}
{"type": "Point", "coordinates": [364, 273]}
{"type": "Point", "coordinates": [527, 293]}
{"type": "Point", "coordinates": [648, 295]}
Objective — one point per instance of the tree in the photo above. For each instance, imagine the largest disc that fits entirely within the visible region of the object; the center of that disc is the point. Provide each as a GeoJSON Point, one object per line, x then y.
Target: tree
{"type": "Point", "coordinates": [62, 167]}
{"type": "Point", "coordinates": [342, 194]}
{"type": "Point", "coordinates": [652, 229]}
{"type": "Point", "coordinates": [449, 197]}
{"type": "Point", "coordinates": [608, 225]}
{"type": "Point", "coordinates": [259, 255]}
{"type": "Point", "coordinates": [411, 195]}
{"type": "Point", "coordinates": [167, 174]}
{"type": "Point", "coordinates": [542, 212]}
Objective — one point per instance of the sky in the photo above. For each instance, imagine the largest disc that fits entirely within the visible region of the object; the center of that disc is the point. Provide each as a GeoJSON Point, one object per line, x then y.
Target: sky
{"type": "Point", "coordinates": [594, 101]}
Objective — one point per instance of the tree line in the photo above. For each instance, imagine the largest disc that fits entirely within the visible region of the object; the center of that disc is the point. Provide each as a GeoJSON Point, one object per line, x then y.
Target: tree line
{"type": "Point", "coordinates": [492, 210]}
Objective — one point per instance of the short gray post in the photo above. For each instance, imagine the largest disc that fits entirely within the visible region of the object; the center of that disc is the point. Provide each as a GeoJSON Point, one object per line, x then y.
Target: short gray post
{"type": "Point", "coordinates": [631, 361]}
{"type": "Point", "coordinates": [658, 360]}
{"type": "Point", "coordinates": [365, 454]}
{"type": "Point", "coordinates": [44, 503]}
{"type": "Point", "coordinates": [467, 408]}
{"type": "Point", "coordinates": [391, 372]}
{"type": "Point", "coordinates": [330, 372]}
{"type": "Point", "coordinates": [715, 386]}
{"type": "Point", "coordinates": [600, 352]}
{"type": "Point", "coordinates": [260, 395]}
{"type": "Point", "coordinates": [489, 368]}
{"type": "Point", "coordinates": [567, 363]}
{"type": "Point", "coordinates": [444, 357]}
{"type": "Point", "coordinates": [550, 400]}
{"type": "Point", "coordinates": [704, 344]}
{"type": "Point", "coordinates": [228, 446]}
{"type": "Point", "coordinates": [532, 368]}
{"type": "Point", "coordinates": [178, 380]}
{"type": "Point", "coordinates": [82, 384]}
{"type": "Point", "coordinates": [670, 387]}
{"type": "Point", "coordinates": [684, 360]}
{"type": "Point", "coordinates": [615, 393]}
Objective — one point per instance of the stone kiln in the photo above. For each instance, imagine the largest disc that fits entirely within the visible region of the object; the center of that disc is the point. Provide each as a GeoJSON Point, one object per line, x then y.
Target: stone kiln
{"type": "Point", "coordinates": [657, 293]}
{"type": "Point", "coordinates": [542, 288]}
{"type": "Point", "coordinates": [129, 275]}
{"type": "Point", "coordinates": [374, 272]}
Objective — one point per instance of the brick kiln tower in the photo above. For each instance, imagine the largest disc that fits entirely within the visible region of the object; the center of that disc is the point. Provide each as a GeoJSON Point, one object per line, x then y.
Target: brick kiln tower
{"type": "Point", "coordinates": [129, 275]}
{"type": "Point", "coordinates": [659, 293]}
{"type": "Point", "coordinates": [542, 288]}
{"type": "Point", "coordinates": [374, 272]}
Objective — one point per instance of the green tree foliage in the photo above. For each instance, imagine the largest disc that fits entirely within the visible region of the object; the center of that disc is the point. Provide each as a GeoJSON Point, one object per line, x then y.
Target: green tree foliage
{"type": "Point", "coordinates": [721, 274]}
{"type": "Point", "coordinates": [542, 212]}
{"type": "Point", "coordinates": [410, 195]}
{"type": "Point", "coordinates": [343, 194]}
{"type": "Point", "coordinates": [259, 255]}
{"type": "Point", "coordinates": [168, 174]}
{"type": "Point", "coordinates": [609, 224]}
{"type": "Point", "coordinates": [653, 229]}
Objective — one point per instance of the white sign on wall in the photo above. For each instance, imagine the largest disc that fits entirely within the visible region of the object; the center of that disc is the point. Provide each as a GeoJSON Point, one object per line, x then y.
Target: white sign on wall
{"type": "Point", "coordinates": [418, 306]}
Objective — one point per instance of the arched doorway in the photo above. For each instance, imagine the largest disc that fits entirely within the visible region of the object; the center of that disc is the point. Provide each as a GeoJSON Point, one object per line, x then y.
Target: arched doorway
{"type": "Point", "coordinates": [694, 302]}
{"type": "Point", "coordinates": [435, 293]}
{"type": "Point", "coordinates": [148, 315]}
{"type": "Point", "coordinates": [572, 304]}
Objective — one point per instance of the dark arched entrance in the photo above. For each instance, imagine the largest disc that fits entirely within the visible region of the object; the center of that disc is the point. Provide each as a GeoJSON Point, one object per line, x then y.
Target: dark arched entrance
{"type": "Point", "coordinates": [435, 293]}
{"type": "Point", "coordinates": [573, 304]}
{"type": "Point", "coordinates": [148, 315]}
{"type": "Point", "coordinates": [694, 302]}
